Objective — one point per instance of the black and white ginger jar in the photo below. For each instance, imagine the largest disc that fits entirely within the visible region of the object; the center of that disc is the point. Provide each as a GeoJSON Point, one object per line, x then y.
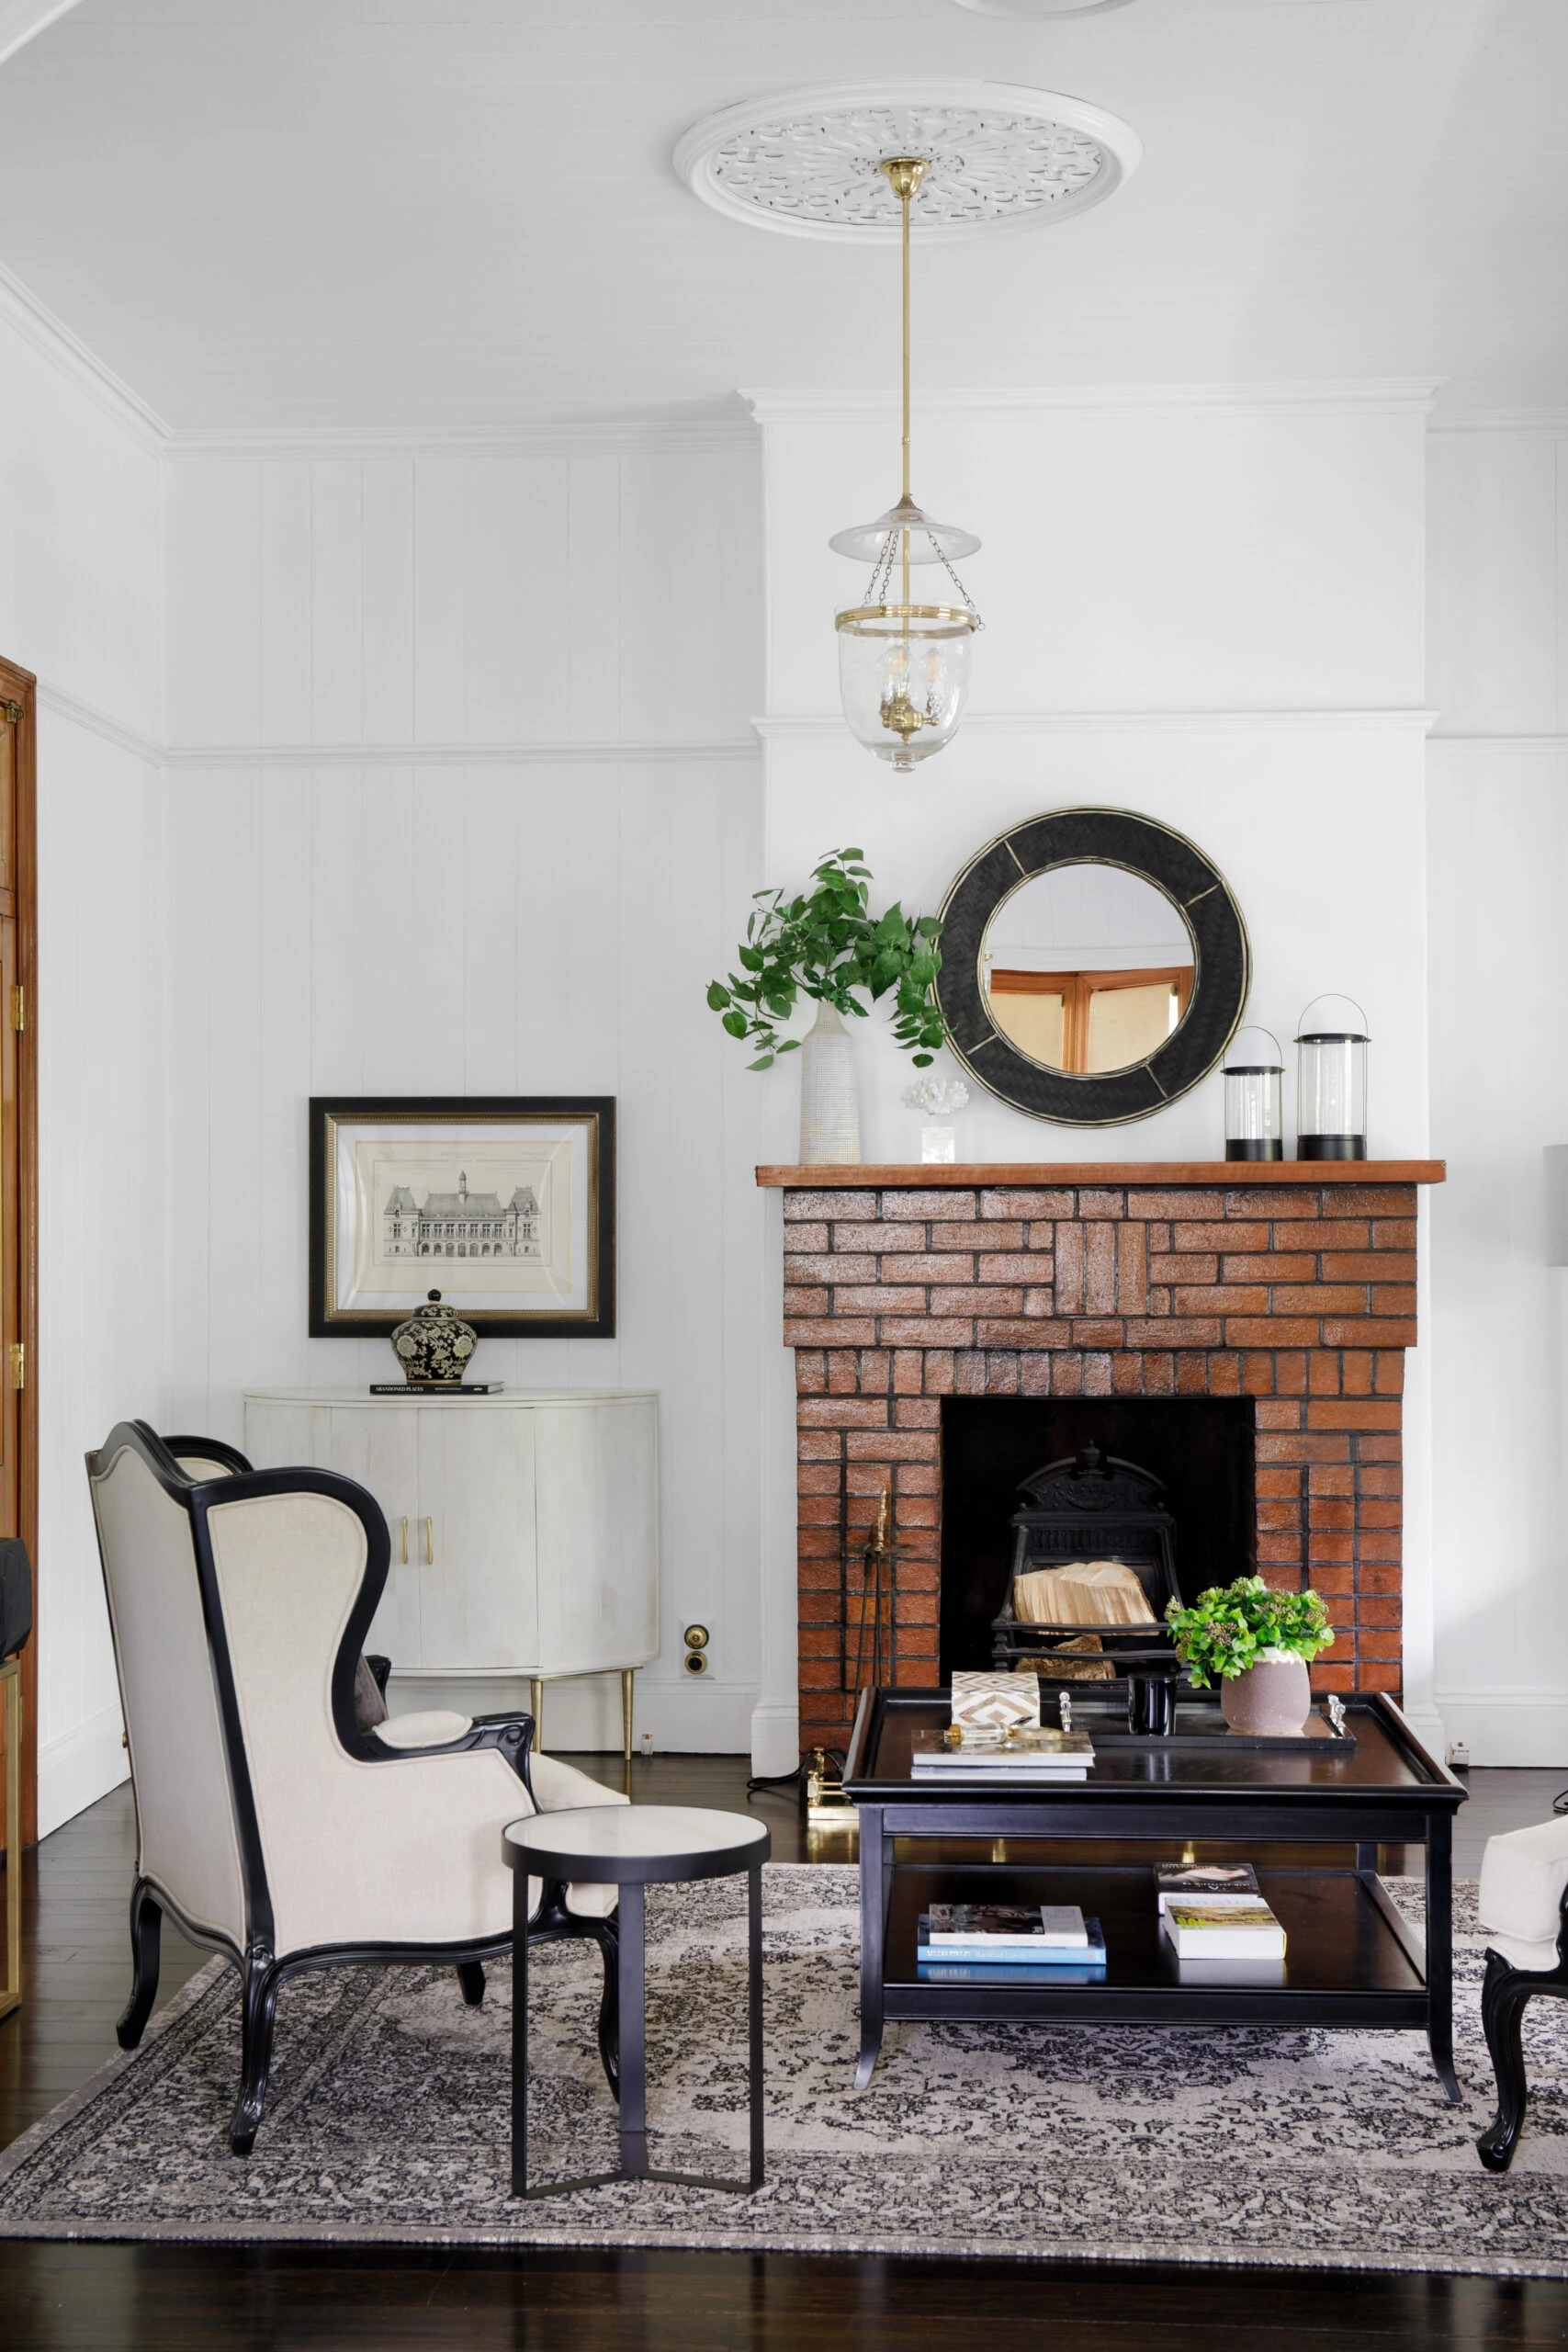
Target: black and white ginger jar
{"type": "Point", "coordinates": [433, 1346]}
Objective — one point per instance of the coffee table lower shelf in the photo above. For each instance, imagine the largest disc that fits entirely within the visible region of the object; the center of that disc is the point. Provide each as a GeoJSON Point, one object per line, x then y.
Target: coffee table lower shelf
{"type": "Point", "coordinates": [1350, 1959]}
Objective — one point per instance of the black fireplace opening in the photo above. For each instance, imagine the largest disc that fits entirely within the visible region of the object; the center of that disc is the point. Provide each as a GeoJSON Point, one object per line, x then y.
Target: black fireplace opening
{"type": "Point", "coordinates": [1201, 1447]}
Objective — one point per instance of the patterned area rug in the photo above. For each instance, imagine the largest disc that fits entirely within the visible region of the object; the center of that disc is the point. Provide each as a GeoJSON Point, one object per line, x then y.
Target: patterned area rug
{"type": "Point", "coordinates": [388, 2119]}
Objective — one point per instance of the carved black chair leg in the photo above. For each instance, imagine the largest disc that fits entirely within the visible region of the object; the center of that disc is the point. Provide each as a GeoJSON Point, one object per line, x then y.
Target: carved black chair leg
{"type": "Point", "coordinates": [471, 1977]}
{"type": "Point", "coordinates": [257, 2016]}
{"type": "Point", "coordinates": [146, 1936]}
{"type": "Point", "coordinates": [1503, 1998]}
{"type": "Point", "coordinates": [609, 1945]}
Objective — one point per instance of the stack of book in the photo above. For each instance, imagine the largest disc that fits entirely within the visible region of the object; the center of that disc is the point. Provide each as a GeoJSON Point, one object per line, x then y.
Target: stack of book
{"type": "Point", "coordinates": [1218, 1925]}
{"type": "Point", "coordinates": [1027, 1754]}
{"type": "Point", "coordinates": [1007, 1943]}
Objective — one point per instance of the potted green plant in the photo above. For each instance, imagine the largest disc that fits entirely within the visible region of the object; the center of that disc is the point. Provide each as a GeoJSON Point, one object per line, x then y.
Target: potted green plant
{"type": "Point", "coordinates": [826, 943]}
{"type": "Point", "coordinates": [1256, 1643]}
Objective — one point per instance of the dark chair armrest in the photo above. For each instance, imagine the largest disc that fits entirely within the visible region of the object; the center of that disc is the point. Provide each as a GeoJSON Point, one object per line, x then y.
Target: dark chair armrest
{"type": "Point", "coordinates": [510, 1735]}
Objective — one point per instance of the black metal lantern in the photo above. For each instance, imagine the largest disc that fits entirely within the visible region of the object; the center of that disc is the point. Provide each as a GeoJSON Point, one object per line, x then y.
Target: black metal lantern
{"type": "Point", "coordinates": [1255, 1090]}
{"type": "Point", "coordinates": [1331, 1099]}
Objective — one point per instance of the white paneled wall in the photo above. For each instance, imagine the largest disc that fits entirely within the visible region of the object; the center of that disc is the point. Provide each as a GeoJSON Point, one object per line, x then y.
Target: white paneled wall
{"type": "Point", "coordinates": [80, 605]}
{"type": "Point", "coordinates": [101, 1304]}
{"type": "Point", "coordinates": [556, 596]}
{"type": "Point", "coordinates": [1498, 882]}
{"type": "Point", "coordinates": [474, 812]}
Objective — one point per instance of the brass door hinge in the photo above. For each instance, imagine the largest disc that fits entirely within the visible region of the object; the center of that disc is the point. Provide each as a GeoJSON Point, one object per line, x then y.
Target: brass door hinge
{"type": "Point", "coordinates": [19, 1007]}
{"type": "Point", "coordinates": [14, 713]}
{"type": "Point", "coordinates": [19, 1364]}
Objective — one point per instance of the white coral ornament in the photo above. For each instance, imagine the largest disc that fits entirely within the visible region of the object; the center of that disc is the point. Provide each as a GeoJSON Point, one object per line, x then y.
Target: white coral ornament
{"type": "Point", "coordinates": [939, 1097]}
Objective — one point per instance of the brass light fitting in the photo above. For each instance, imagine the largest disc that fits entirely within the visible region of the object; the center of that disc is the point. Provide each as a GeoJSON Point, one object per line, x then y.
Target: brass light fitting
{"type": "Point", "coordinates": [904, 667]}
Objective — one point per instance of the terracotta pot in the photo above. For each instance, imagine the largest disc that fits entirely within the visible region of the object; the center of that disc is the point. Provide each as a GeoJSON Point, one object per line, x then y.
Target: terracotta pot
{"type": "Point", "coordinates": [1273, 1699]}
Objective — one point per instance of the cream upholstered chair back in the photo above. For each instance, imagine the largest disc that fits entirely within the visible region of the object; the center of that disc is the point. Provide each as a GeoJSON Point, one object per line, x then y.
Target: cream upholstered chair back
{"type": "Point", "coordinates": [296, 1575]}
{"type": "Point", "coordinates": [186, 1831]}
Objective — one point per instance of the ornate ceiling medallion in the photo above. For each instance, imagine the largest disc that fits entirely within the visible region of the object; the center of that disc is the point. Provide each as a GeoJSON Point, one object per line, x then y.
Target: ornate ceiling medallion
{"type": "Point", "coordinates": [998, 156]}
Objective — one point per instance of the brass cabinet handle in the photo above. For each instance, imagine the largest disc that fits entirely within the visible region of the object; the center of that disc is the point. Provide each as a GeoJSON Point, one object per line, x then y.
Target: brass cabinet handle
{"type": "Point", "coordinates": [405, 1542]}
{"type": "Point", "coordinates": [429, 1543]}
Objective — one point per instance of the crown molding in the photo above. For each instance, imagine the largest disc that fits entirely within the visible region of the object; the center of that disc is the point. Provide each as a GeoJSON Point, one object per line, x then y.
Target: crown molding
{"type": "Point", "coordinates": [656, 432]}
{"type": "Point", "coordinates": [65, 351]}
{"type": "Point", "coordinates": [1391, 395]}
{"type": "Point", "coordinates": [98, 722]}
{"type": "Point", "coordinates": [815, 725]}
{"type": "Point", "coordinates": [1555, 744]}
{"type": "Point", "coordinates": [22, 20]}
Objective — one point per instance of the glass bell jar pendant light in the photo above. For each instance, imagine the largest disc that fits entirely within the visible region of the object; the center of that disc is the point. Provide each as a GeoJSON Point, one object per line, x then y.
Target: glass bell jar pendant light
{"type": "Point", "coordinates": [1255, 1085]}
{"type": "Point", "coordinates": [1331, 1077]}
{"type": "Point", "coordinates": [904, 667]}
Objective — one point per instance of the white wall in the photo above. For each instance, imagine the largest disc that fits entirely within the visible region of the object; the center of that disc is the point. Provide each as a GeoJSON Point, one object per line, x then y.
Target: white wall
{"type": "Point", "coordinates": [80, 599]}
{"type": "Point", "coordinates": [1210, 611]}
{"type": "Point", "coordinates": [463, 798]}
{"type": "Point", "coordinates": [1498, 830]}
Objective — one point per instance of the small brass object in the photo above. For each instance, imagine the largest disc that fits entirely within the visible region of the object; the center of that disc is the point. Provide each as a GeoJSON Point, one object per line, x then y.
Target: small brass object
{"type": "Point", "coordinates": [695, 1637]}
{"type": "Point", "coordinates": [953, 1735]}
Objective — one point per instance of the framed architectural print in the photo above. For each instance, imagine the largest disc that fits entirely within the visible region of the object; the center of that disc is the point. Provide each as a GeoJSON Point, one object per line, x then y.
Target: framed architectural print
{"type": "Point", "coordinates": [506, 1205]}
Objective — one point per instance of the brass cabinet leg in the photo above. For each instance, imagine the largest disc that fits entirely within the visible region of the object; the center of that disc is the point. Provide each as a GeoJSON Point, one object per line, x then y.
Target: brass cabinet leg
{"type": "Point", "coordinates": [536, 1709]}
{"type": "Point", "coordinates": [627, 1677]}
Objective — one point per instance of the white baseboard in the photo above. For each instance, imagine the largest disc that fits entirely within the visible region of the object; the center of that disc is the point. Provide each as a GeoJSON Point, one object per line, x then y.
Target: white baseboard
{"type": "Point", "coordinates": [1508, 1726]}
{"type": "Point", "coordinates": [83, 1765]}
{"type": "Point", "coordinates": [699, 1715]}
{"type": "Point", "coordinates": [774, 1739]}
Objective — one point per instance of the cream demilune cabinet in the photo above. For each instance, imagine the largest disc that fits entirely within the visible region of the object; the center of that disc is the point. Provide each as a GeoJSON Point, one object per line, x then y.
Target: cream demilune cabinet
{"type": "Point", "coordinates": [524, 1529]}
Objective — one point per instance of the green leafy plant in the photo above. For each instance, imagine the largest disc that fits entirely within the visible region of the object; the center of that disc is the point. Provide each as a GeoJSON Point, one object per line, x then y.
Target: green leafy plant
{"type": "Point", "coordinates": [1247, 1623]}
{"type": "Point", "coordinates": [826, 943]}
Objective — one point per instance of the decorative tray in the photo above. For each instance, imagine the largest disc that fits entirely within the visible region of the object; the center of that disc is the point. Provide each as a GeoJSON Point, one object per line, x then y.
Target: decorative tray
{"type": "Point", "coordinates": [1199, 1731]}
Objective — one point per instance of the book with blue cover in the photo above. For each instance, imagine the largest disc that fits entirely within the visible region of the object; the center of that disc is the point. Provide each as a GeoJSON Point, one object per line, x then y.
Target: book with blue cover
{"type": "Point", "coordinates": [939, 1964]}
{"type": "Point", "coordinates": [1078, 1943]}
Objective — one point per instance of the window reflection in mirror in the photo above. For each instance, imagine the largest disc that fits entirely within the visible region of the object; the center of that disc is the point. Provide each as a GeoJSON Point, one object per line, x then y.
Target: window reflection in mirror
{"type": "Point", "coordinates": [1087, 969]}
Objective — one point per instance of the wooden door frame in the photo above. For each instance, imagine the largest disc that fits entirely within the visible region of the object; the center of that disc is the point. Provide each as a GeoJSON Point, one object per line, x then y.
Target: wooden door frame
{"type": "Point", "coordinates": [19, 685]}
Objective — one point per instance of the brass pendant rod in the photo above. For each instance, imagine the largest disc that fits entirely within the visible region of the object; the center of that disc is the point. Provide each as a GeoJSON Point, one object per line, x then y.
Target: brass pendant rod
{"type": "Point", "coordinates": [904, 536]}
{"type": "Point", "coordinates": [904, 175]}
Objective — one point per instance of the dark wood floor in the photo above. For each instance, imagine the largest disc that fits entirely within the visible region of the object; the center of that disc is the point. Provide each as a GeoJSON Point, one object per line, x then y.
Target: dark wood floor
{"type": "Point", "coordinates": [61, 2298]}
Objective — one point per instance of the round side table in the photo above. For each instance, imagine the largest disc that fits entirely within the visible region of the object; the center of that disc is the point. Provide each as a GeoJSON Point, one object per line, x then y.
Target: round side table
{"type": "Point", "coordinates": [632, 1846]}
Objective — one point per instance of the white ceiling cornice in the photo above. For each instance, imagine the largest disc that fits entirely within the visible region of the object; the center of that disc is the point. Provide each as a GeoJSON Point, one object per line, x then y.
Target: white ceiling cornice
{"type": "Point", "coordinates": [657, 432]}
{"type": "Point", "coordinates": [21, 19]}
{"type": "Point", "coordinates": [1400, 395]}
{"type": "Point", "coordinates": [36, 324]}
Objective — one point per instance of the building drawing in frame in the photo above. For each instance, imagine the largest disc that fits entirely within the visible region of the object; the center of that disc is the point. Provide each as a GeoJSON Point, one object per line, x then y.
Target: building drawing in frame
{"type": "Point", "coordinates": [515, 1195]}
{"type": "Point", "coordinates": [461, 1223]}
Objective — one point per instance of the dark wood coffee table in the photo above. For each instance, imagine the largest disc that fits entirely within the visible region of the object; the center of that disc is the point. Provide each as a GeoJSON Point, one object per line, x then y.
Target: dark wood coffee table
{"type": "Point", "coordinates": [1351, 1959]}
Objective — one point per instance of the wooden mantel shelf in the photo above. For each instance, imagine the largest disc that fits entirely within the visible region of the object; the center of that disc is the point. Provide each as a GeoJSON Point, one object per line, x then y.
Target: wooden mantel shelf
{"type": "Point", "coordinates": [968, 1175]}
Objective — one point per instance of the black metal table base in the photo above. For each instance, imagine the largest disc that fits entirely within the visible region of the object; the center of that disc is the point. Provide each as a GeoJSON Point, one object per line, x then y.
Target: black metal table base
{"type": "Point", "coordinates": [632, 1989]}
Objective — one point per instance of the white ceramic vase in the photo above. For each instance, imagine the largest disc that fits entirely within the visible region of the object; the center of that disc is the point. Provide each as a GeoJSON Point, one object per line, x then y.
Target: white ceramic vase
{"type": "Point", "coordinates": [829, 1106]}
{"type": "Point", "coordinates": [1273, 1698]}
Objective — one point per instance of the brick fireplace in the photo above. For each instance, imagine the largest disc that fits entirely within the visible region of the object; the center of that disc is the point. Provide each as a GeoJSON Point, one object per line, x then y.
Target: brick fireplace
{"type": "Point", "coordinates": [1291, 1284]}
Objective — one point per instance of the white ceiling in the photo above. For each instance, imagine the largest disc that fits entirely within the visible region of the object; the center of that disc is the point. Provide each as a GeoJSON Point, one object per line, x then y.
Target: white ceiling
{"type": "Point", "coordinates": [404, 212]}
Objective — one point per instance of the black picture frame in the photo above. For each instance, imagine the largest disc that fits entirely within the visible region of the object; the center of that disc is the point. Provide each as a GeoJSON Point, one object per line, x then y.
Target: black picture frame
{"type": "Point", "coordinates": [596, 1112]}
{"type": "Point", "coordinates": [1221, 965]}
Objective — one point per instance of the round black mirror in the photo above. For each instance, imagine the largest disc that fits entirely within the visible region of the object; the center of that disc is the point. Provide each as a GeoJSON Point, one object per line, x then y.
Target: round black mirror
{"type": "Point", "coordinates": [1095, 965]}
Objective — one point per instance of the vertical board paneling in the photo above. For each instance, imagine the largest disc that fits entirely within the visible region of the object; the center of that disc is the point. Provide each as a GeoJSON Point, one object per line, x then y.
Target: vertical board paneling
{"type": "Point", "coordinates": [545, 926]}
{"type": "Point", "coordinates": [386, 515]}
{"type": "Point", "coordinates": [337, 681]}
{"type": "Point", "coordinates": [214, 596]}
{"type": "Point", "coordinates": [592, 575]}
{"type": "Point", "coordinates": [286, 604]}
{"type": "Point", "coordinates": [439, 502]}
